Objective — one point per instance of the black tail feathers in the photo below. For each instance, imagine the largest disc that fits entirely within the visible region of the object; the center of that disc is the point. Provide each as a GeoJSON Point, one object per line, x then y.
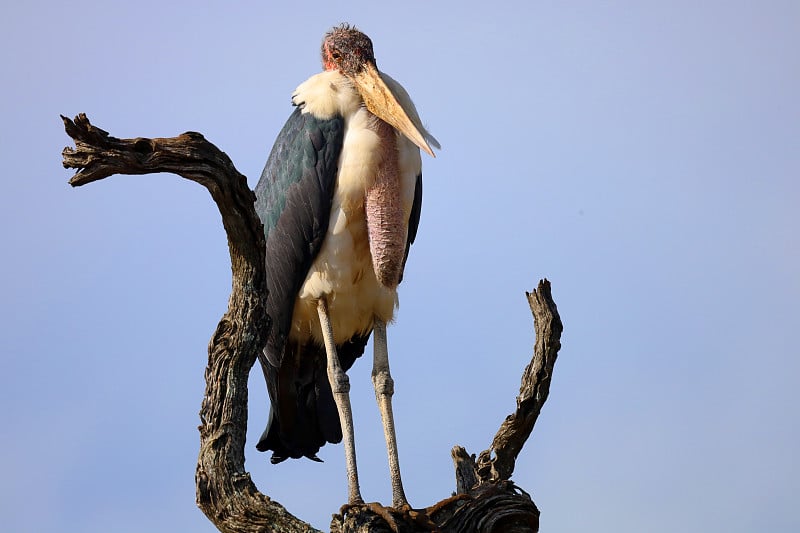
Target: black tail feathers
{"type": "Point", "coordinates": [303, 416]}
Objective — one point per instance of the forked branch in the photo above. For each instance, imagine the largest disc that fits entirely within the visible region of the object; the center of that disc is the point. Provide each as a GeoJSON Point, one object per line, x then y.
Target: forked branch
{"type": "Point", "coordinates": [486, 501]}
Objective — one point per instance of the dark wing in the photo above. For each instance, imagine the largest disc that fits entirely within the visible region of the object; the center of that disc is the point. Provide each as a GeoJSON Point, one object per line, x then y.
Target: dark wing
{"type": "Point", "coordinates": [413, 220]}
{"type": "Point", "coordinates": [293, 200]}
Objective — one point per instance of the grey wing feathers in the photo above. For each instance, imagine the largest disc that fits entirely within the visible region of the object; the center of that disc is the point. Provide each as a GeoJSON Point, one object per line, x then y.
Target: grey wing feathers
{"type": "Point", "coordinates": [294, 201]}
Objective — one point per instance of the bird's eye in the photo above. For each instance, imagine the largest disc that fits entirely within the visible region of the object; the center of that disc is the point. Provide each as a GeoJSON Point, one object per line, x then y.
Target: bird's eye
{"type": "Point", "coordinates": [335, 54]}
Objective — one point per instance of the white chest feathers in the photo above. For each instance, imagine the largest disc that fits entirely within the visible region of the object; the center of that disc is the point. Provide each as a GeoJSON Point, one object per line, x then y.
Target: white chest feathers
{"type": "Point", "coordinates": [344, 271]}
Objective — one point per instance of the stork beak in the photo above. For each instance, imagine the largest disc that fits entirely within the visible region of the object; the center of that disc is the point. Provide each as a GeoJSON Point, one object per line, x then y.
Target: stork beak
{"type": "Point", "coordinates": [382, 103]}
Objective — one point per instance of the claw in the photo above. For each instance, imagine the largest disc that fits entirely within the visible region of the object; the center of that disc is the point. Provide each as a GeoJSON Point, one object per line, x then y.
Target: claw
{"type": "Point", "coordinates": [419, 517]}
{"type": "Point", "coordinates": [435, 508]}
{"type": "Point", "coordinates": [395, 516]}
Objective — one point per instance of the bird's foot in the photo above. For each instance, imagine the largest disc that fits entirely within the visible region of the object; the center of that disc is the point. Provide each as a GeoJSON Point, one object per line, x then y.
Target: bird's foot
{"type": "Point", "coordinates": [418, 517]}
{"type": "Point", "coordinates": [400, 519]}
{"type": "Point", "coordinates": [435, 508]}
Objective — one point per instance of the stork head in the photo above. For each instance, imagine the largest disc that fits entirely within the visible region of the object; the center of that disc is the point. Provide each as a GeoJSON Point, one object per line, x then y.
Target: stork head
{"type": "Point", "coordinates": [347, 50]}
{"type": "Point", "coordinates": [350, 52]}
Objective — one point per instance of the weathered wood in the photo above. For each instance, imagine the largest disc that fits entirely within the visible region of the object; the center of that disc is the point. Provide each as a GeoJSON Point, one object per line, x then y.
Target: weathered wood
{"type": "Point", "coordinates": [466, 475]}
{"type": "Point", "coordinates": [497, 462]}
{"type": "Point", "coordinates": [225, 491]}
{"type": "Point", "coordinates": [485, 501]}
{"type": "Point", "coordinates": [501, 506]}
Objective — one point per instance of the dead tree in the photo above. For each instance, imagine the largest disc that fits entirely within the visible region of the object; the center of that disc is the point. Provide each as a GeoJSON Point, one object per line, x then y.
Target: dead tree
{"type": "Point", "coordinates": [485, 499]}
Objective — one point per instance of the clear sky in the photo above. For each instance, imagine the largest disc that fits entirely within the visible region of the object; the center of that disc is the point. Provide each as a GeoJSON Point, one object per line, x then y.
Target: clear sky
{"type": "Point", "coordinates": [643, 156]}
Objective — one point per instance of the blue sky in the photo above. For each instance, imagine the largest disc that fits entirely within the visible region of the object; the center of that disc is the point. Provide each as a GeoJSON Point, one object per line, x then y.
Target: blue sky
{"type": "Point", "coordinates": [643, 156]}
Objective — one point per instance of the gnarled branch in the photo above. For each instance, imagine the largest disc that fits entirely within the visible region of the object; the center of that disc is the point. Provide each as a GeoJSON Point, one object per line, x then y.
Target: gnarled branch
{"type": "Point", "coordinates": [225, 491]}
{"type": "Point", "coordinates": [486, 501]}
{"type": "Point", "coordinates": [497, 463]}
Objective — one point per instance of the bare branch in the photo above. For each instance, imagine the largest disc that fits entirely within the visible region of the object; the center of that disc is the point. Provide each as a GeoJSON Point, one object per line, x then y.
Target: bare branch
{"type": "Point", "coordinates": [225, 491]}
{"type": "Point", "coordinates": [497, 463]}
{"type": "Point", "coordinates": [466, 476]}
{"type": "Point", "coordinates": [487, 481]}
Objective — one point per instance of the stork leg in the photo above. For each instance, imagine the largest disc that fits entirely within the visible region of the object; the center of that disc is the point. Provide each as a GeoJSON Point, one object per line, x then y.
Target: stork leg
{"type": "Point", "coordinates": [384, 389]}
{"type": "Point", "coordinates": [340, 385]}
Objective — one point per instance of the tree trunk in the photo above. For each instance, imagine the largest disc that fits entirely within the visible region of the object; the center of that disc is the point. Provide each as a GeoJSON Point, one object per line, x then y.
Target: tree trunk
{"type": "Point", "coordinates": [485, 499]}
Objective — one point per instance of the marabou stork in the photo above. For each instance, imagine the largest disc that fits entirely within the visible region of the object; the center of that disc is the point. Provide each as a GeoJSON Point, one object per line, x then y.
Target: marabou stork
{"type": "Point", "coordinates": [340, 199]}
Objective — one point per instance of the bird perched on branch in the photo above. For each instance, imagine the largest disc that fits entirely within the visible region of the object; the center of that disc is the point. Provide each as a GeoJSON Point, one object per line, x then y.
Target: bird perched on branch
{"type": "Point", "coordinates": [340, 200]}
